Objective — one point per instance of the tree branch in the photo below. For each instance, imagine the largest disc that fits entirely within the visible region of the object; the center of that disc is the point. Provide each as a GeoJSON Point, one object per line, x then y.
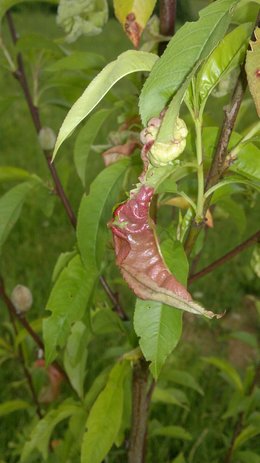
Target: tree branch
{"type": "Point", "coordinates": [167, 21]}
{"type": "Point", "coordinates": [222, 260]}
{"type": "Point", "coordinates": [20, 75]}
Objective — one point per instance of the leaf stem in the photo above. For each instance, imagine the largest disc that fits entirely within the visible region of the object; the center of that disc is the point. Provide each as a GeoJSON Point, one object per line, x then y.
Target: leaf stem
{"type": "Point", "coordinates": [222, 260]}
{"type": "Point", "coordinates": [200, 172]}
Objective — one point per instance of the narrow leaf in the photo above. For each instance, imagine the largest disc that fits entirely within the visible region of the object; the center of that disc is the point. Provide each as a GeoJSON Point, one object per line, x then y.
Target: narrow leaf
{"type": "Point", "coordinates": [75, 356]}
{"type": "Point", "coordinates": [133, 16]}
{"type": "Point", "coordinates": [247, 433]}
{"type": "Point", "coordinates": [77, 61]}
{"type": "Point", "coordinates": [105, 417]}
{"type": "Point", "coordinates": [176, 432]}
{"type": "Point", "coordinates": [67, 302]}
{"type": "Point", "coordinates": [187, 49]}
{"type": "Point", "coordinates": [228, 369]}
{"type": "Point", "coordinates": [127, 63]}
{"type": "Point", "coordinates": [10, 173]}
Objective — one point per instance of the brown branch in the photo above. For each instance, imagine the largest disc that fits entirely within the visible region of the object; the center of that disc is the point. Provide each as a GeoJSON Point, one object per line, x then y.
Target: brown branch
{"type": "Point", "coordinates": [222, 260]}
{"type": "Point", "coordinates": [167, 21]}
{"type": "Point", "coordinates": [20, 75]}
{"type": "Point", "coordinates": [140, 409]}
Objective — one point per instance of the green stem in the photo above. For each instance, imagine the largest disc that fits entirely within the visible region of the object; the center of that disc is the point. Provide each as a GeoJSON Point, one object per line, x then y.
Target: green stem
{"type": "Point", "coordinates": [200, 172]}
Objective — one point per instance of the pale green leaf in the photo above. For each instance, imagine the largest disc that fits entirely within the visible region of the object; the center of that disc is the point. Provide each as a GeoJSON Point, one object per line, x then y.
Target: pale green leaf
{"type": "Point", "coordinates": [225, 367]}
{"type": "Point", "coordinates": [75, 356]}
{"type": "Point", "coordinates": [183, 378]}
{"type": "Point", "coordinates": [179, 459]}
{"type": "Point", "coordinates": [96, 210]}
{"type": "Point", "coordinates": [168, 396]}
{"type": "Point", "coordinates": [11, 204]}
{"type": "Point", "coordinates": [105, 417]}
{"type": "Point", "coordinates": [226, 56]}
{"type": "Point", "coordinates": [5, 5]}
{"type": "Point", "coordinates": [187, 49]}
{"type": "Point", "coordinates": [41, 433]}
{"type": "Point", "coordinates": [85, 140]}
{"type": "Point", "coordinates": [61, 262]}
{"type": "Point", "coordinates": [126, 63]}
{"type": "Point", "coordinates": [67, 302]}
{"type": "Point", "coordinates": [11, 406]}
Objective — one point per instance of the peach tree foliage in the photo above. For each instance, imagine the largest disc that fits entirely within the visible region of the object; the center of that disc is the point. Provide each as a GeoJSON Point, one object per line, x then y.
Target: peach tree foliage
{"type": "Point", "coordinates": [149, 158]}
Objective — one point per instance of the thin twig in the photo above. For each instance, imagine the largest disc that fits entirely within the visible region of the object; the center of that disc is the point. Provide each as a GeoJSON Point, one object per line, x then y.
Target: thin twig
{"type": "Point", "coordinates": [167, 21]}
{"type": "Point", "coordinates": [20, 75]}
{"type": "Point", "coordinates": [222, 260]}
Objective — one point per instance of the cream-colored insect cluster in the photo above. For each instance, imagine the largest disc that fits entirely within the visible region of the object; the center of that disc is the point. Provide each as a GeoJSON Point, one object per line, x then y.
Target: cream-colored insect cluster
{"type": "Point", "coordinates": [161, 154]}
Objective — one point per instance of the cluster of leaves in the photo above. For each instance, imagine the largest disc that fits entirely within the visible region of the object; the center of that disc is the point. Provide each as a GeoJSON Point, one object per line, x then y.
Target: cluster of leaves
{"type": "Point", "coordinates": [201, 56]}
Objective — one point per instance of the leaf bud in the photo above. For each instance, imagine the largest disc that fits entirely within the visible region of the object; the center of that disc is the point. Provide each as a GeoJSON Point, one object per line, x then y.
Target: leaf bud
{"type": "Point", "coordinates": [21, 298]}
{"type": "Point", "coordinates": [47, 138]}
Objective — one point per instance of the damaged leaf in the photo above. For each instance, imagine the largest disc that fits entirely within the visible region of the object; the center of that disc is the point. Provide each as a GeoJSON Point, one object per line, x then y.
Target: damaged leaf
{"type": "Point", "coordinates": [133, 15]}
{"type": "Point", "coordinates": [139, 258]}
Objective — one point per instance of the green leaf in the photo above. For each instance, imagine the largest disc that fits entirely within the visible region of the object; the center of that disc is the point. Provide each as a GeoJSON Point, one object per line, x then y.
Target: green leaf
{"type": "Point", "coordinates": [169, 396]}
{"type": "Point", "coordinates": [12, 406]}
{"type": "Point", "coordinates": [85, 140]}
{"type": "Point", "coordinates": [10, 173]}
{"type": "Point", "coordinates": [95, 211]}
{"type": "Point", "coordinates": [5, 5]}
{"type": "Point", "coordinates": [179, 459]}
{"type": "Point", "coordinates": [158, 325]}
{"type": "Point", "coordinates": [75, 356]}
{"type": "Point", "coordinates": [40, 435]}
{"type": "Point", "coordinates": [63, 260]}
{"type": "Point", "coordinates": [77, 61]}
{"type": "Point", "coordinates": [141, 11]}
{"type": "Point", "coordinates": [67, 302]}
{"type": "Point", "coordinates": [187, 49]}
{"type": "Point", "coordinates": [37, 42]}
{"type": "Point", "coordinates": [226, 56]}
{"type": "Point", "coordinates": [106, 321]}
{"type": "Point", "coordinates": [126, 63]}
{"type": "Point", "coordinates": [247, 433]}
{"type": "Point", "coordinates": [229, 371]}
{"type": "Point", "coordinates": [11, 204]}
{"type": "Point", "coordinates": [253, 71]}
{"type": "Point", "coordinates": [176, 432]}
{"type": "Point", "coordinates": [105, 417]}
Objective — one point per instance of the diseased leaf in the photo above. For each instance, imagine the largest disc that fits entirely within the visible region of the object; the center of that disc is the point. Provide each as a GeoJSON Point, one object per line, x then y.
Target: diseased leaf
{"type": "Point", "coordinates": [226, 56]}
{"type": "Point", "coordinates": [85, 140]}
{"type": "Point", "coordinates": [126, 63]}
{"type": "Point", "coordinates": [105, 417]}
{"type": "Point", "coordinates": [41, 433]}
{"type": "Point", "coordinates": [187, 49]}
{"type": "Point", "coordinates": [95, 211]}
{"type": "Point", "coordinates": [139, 259]}
{"type": "Point", "coordinates": [253, 69]}
{"type": "Point", "coordinates": [68, 301]}
{"type": "Point", "coordinates": [133, 16]}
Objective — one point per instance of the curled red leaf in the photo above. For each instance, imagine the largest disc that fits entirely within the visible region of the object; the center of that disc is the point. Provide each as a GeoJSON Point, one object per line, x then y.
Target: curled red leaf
{"type": "Point", "coordinates": [139, 258]}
